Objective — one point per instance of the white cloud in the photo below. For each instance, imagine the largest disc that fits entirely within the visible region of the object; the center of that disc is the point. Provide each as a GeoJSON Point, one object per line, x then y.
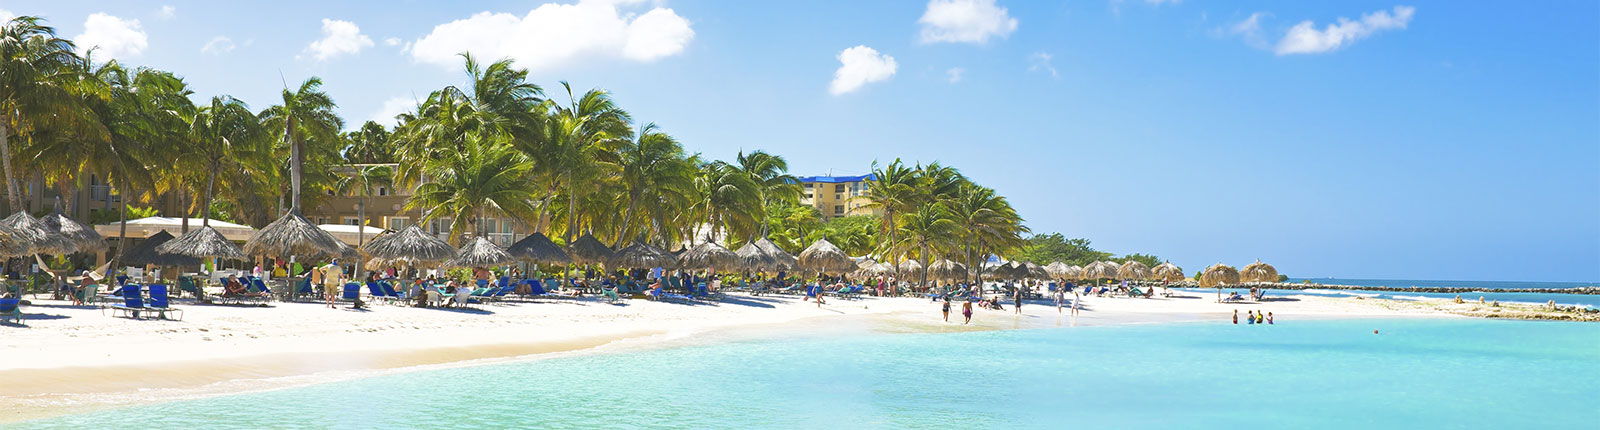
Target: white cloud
{"type": "Point", "coordinates": [114, 37]}
{"type": "Point", "coordinates": [1304, 38]}
{"type": "Point", "coordinates": [970, 21]}
{"type": "Point", "coordinates": [954, 74]}
{"type": "Point", "coordinates": [554, 35]}
{"type": "Point", "coordinates": [1248, 29]}
{"type": "Point", "coordinates": [218, 45]}
{"type": "Point", "coordinates": [859, 66]}
{"type": "Point", "coordinates": [392, 107]}
{"type": "Point", "coordinates": [338, 38]}
{"type": "Point", "coordinates": [167, 12]}
{"type": "Point", "coordinates": [1040, 61]}
{"type": "Point", "coordinates": [393, 41]}
{"type": "Point", "coordinates": [6, 15]}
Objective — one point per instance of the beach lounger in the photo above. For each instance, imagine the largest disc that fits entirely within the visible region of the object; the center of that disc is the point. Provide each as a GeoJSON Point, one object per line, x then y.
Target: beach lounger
{"type": "Point", "coordinates": [132, 301]}
{"type": "Point", "coordinates": [160, 303]}
{"type": "Point", "coordinates": [390, 292]}
{"type": "Point", "coordinates": [611, 295]}
{"type": "Point", "coordinates": [187, 285]}
{"type": "Point", "coordinates": [11, 309]}
{"type": "Point", "coordinates": [304, 289]}
{"type": "Point", "coordinates": [378, 294]}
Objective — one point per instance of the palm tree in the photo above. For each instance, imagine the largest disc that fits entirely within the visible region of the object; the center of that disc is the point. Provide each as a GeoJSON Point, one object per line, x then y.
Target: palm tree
{"type": "Point", "coordinates": [220, 132]}
{"type": "Point", "coordinates": [369, 145]}
{"type": "Point", "coordinates": [361, 181]}
{"type": "Point", "coordinates": [580, 143]}
{"type": "Point", "coordinates": [893, 192]}
{"type": "Point", "coordinates": [652, 164]}
{"type": "Point", "coordinates": [926, 229]}
{"type": "Point", "coordinates": [985, 221]}
{"type": "Point", "coordinates": [770, 173]}
{"type": "Point", "coordinates": [305, 113]}
{"type": "Point", "coordinates": [36, 70]}
{"type": "Point", "coordinates": [487, 177]}
{"type": "Point", "coordinates": [727, 198]}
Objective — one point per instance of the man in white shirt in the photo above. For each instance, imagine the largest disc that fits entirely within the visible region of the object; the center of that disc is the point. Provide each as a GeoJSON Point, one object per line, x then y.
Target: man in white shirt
{"type": "Point", "coordinates": [332, 275]}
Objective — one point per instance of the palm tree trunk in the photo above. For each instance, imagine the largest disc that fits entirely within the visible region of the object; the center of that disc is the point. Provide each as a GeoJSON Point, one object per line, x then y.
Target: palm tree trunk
{"type": "Point", "coordinates": [572, 207]}
{"type": "Point", "coordinates": [211, 185]}
{"type": "Point", "coordinates": [183, 202]}
{"type": "Point", "coordinates": [5, 161]}
{"type": "Point", "coordinates": [627, 219]}
{"type": "Point", "coordinates": [294, 165]}
{"type": "Point", "coordinates": [122, 235]}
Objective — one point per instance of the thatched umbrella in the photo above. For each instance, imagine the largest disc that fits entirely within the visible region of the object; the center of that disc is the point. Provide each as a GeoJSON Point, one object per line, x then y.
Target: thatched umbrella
{"type": "Point", "coordinates": [145, 253]}
{"type": "Point", "coordinates": [1100, 270]}
{"type": "Point", "coordinates": [823, 256]}
{"type": "Point", "coordinates": [752, 258]}
{"type": "Point", "coordinates": [875, 269]}
{"type": "Point", "coordinates": [947, 270]}
{"type": "Point", "coordinates": [1133, 271]}
{"type": "Point", "coordinates": [539, 249]}
{"type": "Point", "coordinates": [1036, 271]}
{"type": "Point", "coordinates": [781, 260]}
{"type": "Point", "coordinates": [203, 242]}
{"type": "Point", "coordinates": [1219, 275]}
{"type": "Point", "coordinates": [642, 255]}
{"type": "Point", "coordinates": [1056, 270]}
{"type": "Point", "coordinates": [1259, 272]}
{"type": "Point", "coordinates": [34, 236]}
{"type": "Point", "coordinates": [588, 250]}
{"type": "Point", "coordinates": [865, 263]}
{"type": "Point", "coordinates": [81, 237]}
{"type": "Point", "coordinates": [479, 252]}
{"type": "Point", "coordinates": [1167, 273]}
{"type": "Point", "coordinates": [910, 266]}
{"type": "Point", "coordinates": [1072, 272]}
{"type": "Point", "coordinates": [292, 235]}
{"type": "Point", "coordinates": [409, 247]}
{"type": "Point", "coordinates": [709, 255]}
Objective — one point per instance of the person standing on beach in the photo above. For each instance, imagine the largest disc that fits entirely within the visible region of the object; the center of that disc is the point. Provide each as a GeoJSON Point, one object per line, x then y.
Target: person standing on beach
{"type": "Point", "coordinates": [330, 281]}
{"type": "Point", "coordinates": [1017, 298]}
{"type": "Point", "coordinates": [946, 309]}
{"type": "Point", "coordinates": [1061, 299]}
{"type": "Point", "coordinates": [966, 311]}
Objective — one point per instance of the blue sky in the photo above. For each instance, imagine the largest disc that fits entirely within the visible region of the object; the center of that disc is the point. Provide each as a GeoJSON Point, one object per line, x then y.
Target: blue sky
{"type": "Point", "coordinates": [1418, 139]}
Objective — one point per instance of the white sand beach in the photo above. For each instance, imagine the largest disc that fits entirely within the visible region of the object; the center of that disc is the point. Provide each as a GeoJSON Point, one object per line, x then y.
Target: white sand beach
{"type": "Point", "coordinates": [72, 358]}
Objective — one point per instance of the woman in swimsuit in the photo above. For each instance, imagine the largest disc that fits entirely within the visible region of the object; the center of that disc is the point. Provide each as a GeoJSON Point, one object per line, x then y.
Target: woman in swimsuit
{"type": "Point", "coordinates": [947, 309]}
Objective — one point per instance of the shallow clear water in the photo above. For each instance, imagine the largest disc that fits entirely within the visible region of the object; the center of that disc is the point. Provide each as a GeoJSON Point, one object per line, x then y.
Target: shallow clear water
{"type": "Point", "coordinates": [1425, 373]}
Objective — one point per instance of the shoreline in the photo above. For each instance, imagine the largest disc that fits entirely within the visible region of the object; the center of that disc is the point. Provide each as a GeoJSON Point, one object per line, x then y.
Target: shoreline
{"type": "Point", "coordinates": [187, 360]}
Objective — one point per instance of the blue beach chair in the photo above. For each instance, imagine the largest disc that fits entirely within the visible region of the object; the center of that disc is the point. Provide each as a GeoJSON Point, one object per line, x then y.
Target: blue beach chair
{"type": "Point", "coordinates": [11, 309]}
{"type": "Point", "coordinates": [160, 303]}
{"type": "Point", "coordinates": [132, 301]}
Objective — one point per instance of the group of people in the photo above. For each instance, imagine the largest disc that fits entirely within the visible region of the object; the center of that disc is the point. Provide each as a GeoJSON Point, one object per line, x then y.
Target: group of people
{"type": "Point", "coordinates": [1253, 317]}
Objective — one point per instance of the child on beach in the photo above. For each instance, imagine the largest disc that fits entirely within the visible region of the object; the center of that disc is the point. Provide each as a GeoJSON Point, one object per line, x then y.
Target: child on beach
{"type": "Point", "coordinates": [966, 311]}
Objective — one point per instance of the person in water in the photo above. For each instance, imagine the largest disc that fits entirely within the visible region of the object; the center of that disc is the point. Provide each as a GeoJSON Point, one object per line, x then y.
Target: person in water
{"type": "Point", "coordinates": [1261, 318]}
{"type": "Point", "coordinates": [1269, 317]}
{"type": "Point", "coordinates": [1236, 316]}
{"type": "Point", "coordinates": [1249, 317]}
{"type": "Point", "coordinates": [966, 311]}
{"type": "Point", "coordinates": [946, 309]}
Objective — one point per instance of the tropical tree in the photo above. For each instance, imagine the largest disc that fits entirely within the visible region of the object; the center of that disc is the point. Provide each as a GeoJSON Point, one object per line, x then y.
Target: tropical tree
{"type": "Point", "coordinates": [368, 145]}
{"type": "Point", "coordinates": [361, 181]}
{"type": "Point", "coordinates": [653, 164]}
{"type": "Point", "coordinates": [305, 113]}
{"type": "Point", "coordinates": [926, 232]}
{"type": "Point", "coordinates": [727, 199]}
{"type": "Point", "coordinates": [987, 224]}
{"type": "Point", "coordinates": [771, 175]}
{"type": "Point", "coordinates": [36, 72]}
{"type": "Point", "coordinates": [487, 177]}
{"type": "Point", "coordinates": [223, 132]}
{"type": "Point", "coordinates": [893, 192]}
{"type": "Point", "coordinates": [579, 145]}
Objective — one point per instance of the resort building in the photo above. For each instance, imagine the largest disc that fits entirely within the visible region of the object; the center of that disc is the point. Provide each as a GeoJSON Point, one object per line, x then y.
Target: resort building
{"type": "Point", "coordinates": [385, 209]}
{"type": "Point", "coordinates": [837, 196]}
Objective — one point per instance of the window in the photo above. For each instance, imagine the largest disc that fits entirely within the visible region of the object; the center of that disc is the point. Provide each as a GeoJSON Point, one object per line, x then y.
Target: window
{"type": "Point", "coordinates": [322, 220]}
{"type": "Point", "coordinates": [383, 191]}
{"type": "Point", "coordinates": [808, 185]}
{"type": "Point", "coordinates": [838, 188]}
{"type": "Point", "coordinates": [808, 195]}
{"type": "Point", "coordinates": [398, 222]}
{"type": "Point", "coordinates": [838, 209]}
{"type": "Point", "coordinates": [838, 197]}
{"type": "Point", "coordinates": [350, 220]}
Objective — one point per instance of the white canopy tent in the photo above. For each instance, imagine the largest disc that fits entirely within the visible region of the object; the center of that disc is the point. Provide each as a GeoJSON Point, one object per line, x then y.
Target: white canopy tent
{"type": "Point", "coordinates": [349, 234]}
{"type": "Point", "coordinates": [144, 227]}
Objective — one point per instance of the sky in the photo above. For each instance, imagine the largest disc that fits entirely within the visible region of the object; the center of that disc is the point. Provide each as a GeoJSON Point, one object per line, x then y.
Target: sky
{"type": "Point", "coordinates": [1357, 139]}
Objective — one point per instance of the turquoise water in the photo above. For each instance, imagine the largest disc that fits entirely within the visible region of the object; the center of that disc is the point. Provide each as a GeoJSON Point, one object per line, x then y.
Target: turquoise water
{"type": "Point", "coordinates": [1486, 288]}
{"type": "Point", "coordinates": [1297, 374]}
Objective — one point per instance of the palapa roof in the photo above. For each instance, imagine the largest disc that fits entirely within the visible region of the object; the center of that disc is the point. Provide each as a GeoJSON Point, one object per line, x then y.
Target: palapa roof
{"type": "Point", "coordinates": [865, 262]}
{"type": "Point", "coordinates": [823, 256]}
{"type": "Point", "coordinates": [1133, 271]}
{"type": "Point", "coordinates": [202, 242]}
{"type": "Point", "coordinates": [709, 254]}
{"type": "Point", "coordinates": [642, 255]}
{"type": "Point", "coordinates": [292, 235]}
{"type": "Point", "coordinates": [1101, 270]}
{"type": "Point", "coordinates": [1259, 272]}
{"type": "Point", "coordinates": [32, 235]}
{"type": "Point", "coordinates": [1218, 275]}
{"type": "Point", "coordinates": [145, 253]}
{"type": "Point", "coordinates": [876, 269]}
{"type": "Point", "coordinates": [588, 250]}
{"type": "Point", "coordinates": [1057, 270]}
{"type": "Point", "coordinates": [480, 252]}
{"type": "Point", "coordinates": [946, 269]}
{"type": "Point", "coordinates": [910, 266]}
{"type": "Point", "coordinates": [752, 257]}
{"type": "Point", "coordinates": [82, 237]}
{"type": "Point", "coordinates": [539, 248]}
{"type": "Point", "coordinates": [1036, 271]}
{"type": "Point", "coordinates": [781, 259]}
{"type": "Point", "coordinates": [1072, 272]}
{"type": "Point", "coordinates": [1167, 271]}
{"type": "Point", "coordinates": [410, 247]}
